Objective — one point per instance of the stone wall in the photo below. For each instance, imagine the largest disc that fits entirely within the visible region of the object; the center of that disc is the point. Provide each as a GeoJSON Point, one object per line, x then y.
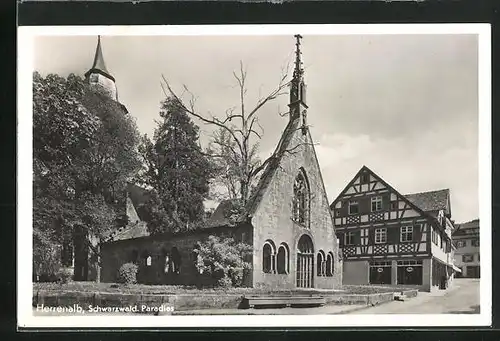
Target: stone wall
{"type": "Point", "coordinates": [117, 253]}
{"type": "Point", "coordinates": [356, 272]}
{"type": "Point", "coordinates": [273, 218]}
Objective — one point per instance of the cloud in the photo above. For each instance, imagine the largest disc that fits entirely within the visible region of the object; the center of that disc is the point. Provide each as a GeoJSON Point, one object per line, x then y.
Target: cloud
{"type": "Point", "coordinates": [409, 170]}
{"type": "Point", "coordinates": [404, 105]}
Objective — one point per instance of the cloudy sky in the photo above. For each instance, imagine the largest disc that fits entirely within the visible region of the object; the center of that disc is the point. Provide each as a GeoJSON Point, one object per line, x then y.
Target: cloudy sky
{"type": "Point", "coordinates": [406, 106]}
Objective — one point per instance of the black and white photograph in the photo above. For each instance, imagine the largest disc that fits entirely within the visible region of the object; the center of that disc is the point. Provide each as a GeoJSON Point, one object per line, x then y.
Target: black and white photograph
{"type": "Point", "coordinates": [267, 175]}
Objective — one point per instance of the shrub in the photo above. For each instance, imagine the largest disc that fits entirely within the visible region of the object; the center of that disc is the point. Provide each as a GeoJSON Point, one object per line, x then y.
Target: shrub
{"type": "Point", "coordinates": [223, 260]}
{"type": "Point", "coordinates": [65, 275]}
{"type": "Point", "coordinates": [46, 260]}
{"type": "Point", "coordinates": [127, 274]}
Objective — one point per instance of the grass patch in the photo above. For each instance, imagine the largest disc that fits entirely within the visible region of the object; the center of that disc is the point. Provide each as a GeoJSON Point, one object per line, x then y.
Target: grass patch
{"type": "Point", "coordinates": [188, 290]}
{"type": "Point", "coordinates": [372, 289]}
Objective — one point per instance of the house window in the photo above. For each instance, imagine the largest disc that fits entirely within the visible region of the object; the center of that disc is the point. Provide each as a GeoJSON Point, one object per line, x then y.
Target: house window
{"type": "Point", "coordinates": [268, 254]}
{"type": "Point", "coordinates": [406, 234]}
{"type": "Point", "coordinates": [376, 204]}
{"type": "Point", "coordinates": [353, 207]}
{"type": "Point", "coordinates": [381, 236]}
{"type": "Point", "coordinates": [283, 260]}
{"type": "Point", "coordinates": [460, 244]}
{"type": "Point", "coordinates": [468, 258]}
{"type": "Point", "coordinates": [349, 238]}
{"type": "Point", "coordinates": [300, 201]}
{"type": "Point", "coordinates": [365, 178]}
{"type": "Point", "coordinates": [475, 242]}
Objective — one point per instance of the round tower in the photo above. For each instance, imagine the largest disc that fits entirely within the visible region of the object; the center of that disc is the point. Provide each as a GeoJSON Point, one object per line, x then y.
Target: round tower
{"type": "Point", "coordinates": [99, 76]}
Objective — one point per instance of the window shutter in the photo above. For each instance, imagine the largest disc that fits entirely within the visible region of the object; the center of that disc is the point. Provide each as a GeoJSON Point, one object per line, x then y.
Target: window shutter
{"type": "Point", "coordinates": [371, 236]}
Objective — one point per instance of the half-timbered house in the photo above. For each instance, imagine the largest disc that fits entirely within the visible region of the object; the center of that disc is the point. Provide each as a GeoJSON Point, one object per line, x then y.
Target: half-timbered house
{"type": "Point", "coordinates": [390, 238]}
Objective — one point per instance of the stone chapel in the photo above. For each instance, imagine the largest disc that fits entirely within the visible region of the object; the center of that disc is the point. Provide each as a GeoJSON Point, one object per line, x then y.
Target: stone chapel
{"type": "Point", "coordinates": [287, 219]}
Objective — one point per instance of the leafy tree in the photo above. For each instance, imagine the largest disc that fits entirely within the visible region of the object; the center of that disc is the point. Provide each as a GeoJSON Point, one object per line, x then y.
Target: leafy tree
{"type": "Point", "coordinates": [84, 151]}
{"type": "Point", "coordinates": [154, 213]}
{"type": "Point", "coordinates": [176, 169]}
{"type": "Point", "coordinates": [223, 259]}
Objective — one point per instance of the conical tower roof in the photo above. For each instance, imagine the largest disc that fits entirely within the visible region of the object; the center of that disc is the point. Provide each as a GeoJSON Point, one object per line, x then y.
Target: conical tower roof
{"type": "Point", "coordinates": [99, 66]}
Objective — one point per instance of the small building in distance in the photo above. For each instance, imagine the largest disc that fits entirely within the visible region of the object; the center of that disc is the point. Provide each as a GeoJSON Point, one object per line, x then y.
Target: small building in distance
{"type": "Point", "coordinates": [390, 238]}
{"type": "Point", "coordinates": [466, 240]}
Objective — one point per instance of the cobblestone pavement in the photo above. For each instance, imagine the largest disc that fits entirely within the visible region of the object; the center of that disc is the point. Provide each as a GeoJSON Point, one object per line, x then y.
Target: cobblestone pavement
{"type": "Point", "coordinates": [461, 298]}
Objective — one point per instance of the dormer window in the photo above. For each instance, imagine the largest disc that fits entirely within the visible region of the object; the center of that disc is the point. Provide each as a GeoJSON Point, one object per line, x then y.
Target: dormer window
{"type": "Point", "coordinates": [94, 78]}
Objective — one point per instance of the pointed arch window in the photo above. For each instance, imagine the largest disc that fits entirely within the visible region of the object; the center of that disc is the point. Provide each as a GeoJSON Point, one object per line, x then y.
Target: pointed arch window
{"type": "Point", "coordinates": [268, 257]}
{"type": "Point", "coordinates": [329, 264]}
{"type": "Point", "coordinates": [320, 263]}
{"type": "Point", "coordinates": [301, 199]}
{"type": "Point", "coordinates": [283, 259]}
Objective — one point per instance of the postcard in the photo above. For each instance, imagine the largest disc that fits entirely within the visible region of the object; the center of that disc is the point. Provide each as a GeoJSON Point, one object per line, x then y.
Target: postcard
{"type": "Point", "coordinates": [254, 176]}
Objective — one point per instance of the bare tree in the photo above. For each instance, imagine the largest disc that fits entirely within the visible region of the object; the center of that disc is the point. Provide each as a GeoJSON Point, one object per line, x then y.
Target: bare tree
{"type": "Point", "coordinates": [235, 142]}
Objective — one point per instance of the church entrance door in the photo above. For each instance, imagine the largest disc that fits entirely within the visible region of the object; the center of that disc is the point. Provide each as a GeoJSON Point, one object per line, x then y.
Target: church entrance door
{"type": "Point", "coordinates": [305, 262]}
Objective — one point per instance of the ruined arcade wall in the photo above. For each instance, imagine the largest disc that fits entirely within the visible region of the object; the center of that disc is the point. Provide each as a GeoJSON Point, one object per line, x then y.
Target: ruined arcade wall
{"type": "Point", "coordinates": [117, 253]}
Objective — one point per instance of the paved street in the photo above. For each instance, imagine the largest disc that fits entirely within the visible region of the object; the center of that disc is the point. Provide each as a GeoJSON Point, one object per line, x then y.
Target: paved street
{"type": "Point", "coordinates": [462, 297]}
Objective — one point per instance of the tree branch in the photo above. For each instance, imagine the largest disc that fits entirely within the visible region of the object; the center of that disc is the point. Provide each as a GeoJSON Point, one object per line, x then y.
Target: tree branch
{"type": "Point", "coordinates": [214, 120]}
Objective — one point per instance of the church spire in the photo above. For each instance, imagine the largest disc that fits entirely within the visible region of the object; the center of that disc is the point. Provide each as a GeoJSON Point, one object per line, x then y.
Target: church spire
{"type": "Point", "coordinates": [297, 103]}
{"type": "Point", "coordinates": [98, 66]}
{"type": "Point", "coordinates": [298, 71]}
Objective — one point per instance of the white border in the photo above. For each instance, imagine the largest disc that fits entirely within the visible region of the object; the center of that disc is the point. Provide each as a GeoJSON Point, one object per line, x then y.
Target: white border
{"type": "Point", "coordinates": [26, 37]}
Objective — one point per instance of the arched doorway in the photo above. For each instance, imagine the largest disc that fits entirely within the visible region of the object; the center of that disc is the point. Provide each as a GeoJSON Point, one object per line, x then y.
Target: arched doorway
{"type": "Point", "coordinates": [305, 262]}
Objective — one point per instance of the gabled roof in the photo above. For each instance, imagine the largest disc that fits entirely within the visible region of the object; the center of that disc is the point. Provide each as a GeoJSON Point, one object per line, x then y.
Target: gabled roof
{"type": "Point", "coordinates": [98, 65]}
{"type": "Point", "coordinates": [432, 201]}
{"type": "Point", "coordinates": [131, 231]}
{"type": "Point", "coordinates": [138, 195]}
{"type": "Point", "coordinates": [364, 169]}
{"type": "Point", "coordinates": [462, 229]}
{"type": "Point", "coordinates": [271, 168]}
{"type": "Point", "coordinates": [221, 215]}
{"type": "Point", "coordinates": [218, 219]}
{"type": "Point", "coordinates": [470, 224]}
